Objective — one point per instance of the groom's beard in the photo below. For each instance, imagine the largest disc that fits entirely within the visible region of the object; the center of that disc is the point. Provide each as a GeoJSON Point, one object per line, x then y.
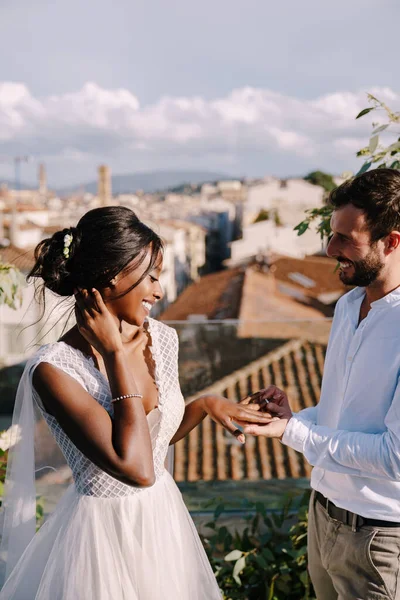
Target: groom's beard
{"type": "Point", "coordinates": [362, 272]}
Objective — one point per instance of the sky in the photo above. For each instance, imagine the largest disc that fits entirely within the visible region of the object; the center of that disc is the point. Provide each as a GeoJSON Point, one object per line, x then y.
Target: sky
{"type": "Point", "coordinates": [244, 88]}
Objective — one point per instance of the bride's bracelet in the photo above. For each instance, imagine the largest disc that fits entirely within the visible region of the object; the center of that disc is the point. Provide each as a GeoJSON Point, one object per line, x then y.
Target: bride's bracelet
{"type": "Point", "coordinates": [126, 396]}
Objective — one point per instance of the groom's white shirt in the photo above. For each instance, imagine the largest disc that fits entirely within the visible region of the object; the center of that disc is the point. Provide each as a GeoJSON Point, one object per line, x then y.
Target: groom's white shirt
{"type": "Point", "coordinates": [352, 437]}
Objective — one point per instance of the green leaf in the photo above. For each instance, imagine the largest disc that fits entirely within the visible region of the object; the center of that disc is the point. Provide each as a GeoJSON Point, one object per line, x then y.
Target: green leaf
{"type": "Point", "coordinates": [364, 168]}
{"type": "Point", "coordinates": [304, 578]}
{"type": "Point", "coordinates": [277, 519]}
{"type": "Point", "coordinates": [380, 129]}
{"type": "Point", "coordinates": [267, 554]}
{"type": "Point", "coordinates": [221, 534]}
{"type": "Point", "coordinates": [234, 555]}
{"type": "Point", "coordinates": [302, 227]}
{"type": "Point", "coordinates": [268, 521]}
{"type": "Point", "coordinates": [210, 503]}
{"type": "Point", "coordinates": [260, 508]}
{"type": "Point", "coordinates": [365, 111]}
{"type": "Point", "coordinates": [373, 143]}
{"type": "Point", "coordinates": [260, 560]}
{"type": "Point", "coordinates": [301, 551]}
{"type": "Point", "coordinates": [393, 147]}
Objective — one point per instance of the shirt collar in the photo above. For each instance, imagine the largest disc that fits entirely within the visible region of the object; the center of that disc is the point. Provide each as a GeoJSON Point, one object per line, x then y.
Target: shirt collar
{"type": "Point", "coordinates": [389, 300]}
{"type": "Point", "coordinates": [393, 298]}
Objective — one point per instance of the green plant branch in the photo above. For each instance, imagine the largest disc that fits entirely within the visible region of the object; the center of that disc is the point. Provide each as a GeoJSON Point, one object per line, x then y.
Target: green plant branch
{"type": "Point", "coordinates": [375, 155]}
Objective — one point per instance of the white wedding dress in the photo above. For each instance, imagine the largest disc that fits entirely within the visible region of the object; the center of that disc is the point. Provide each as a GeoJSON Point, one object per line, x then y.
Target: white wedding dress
{"type": "Point", "coordinates": [107, 540]}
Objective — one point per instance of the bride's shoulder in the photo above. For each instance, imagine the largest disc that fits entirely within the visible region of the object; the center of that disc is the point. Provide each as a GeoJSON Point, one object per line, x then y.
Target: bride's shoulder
{"type": "Point", "coordinates": [44, 352]}
{"type": "Point", "coordinates": [163, 336]}
{"type": "Point", "coordinates": [159, 327]}
{"type": "Point", "coordinates": [60, 355]}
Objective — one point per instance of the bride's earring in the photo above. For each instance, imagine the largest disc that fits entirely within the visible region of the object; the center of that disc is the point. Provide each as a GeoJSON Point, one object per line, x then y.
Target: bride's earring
{"type": "Point", "coordinates": [113, 281]}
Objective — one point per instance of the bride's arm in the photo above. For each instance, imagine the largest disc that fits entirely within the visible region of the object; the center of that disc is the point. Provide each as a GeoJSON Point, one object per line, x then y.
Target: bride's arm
{"type": "Point", "coordinates": [194, 414]}
{"type": "Point", "coordinates": [222, 411]}
{"type": "Point", "coordinates": [120, 446]}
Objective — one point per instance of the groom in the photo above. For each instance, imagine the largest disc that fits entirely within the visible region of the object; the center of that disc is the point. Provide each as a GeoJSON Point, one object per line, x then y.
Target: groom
{"type": "Point", "coordinates": [352, 437]}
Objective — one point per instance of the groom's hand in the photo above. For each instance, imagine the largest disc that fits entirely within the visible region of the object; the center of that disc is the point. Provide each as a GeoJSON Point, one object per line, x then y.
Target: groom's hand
{"type": "Point", "coordinates": [265, 397]}
{"type": "Point", "coordinates": [274, 401]}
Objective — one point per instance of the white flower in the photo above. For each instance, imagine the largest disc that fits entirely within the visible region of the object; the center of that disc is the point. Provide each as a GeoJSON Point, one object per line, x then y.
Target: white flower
{"type": "Point", "coordinates": [11, 283]}
{"type": "Point", "coordinates": [10, 437]}
{"type": "Point", "coordinates": [68, 240]}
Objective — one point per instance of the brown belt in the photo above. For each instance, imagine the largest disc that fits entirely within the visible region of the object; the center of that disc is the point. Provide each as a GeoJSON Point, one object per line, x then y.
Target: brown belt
{"type": "Point", "coordinates": [348, 518]}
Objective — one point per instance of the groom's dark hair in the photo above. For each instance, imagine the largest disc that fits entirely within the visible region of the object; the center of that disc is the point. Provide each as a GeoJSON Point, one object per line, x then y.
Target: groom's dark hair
{"type": "Point", "coordinates": [377, 193]}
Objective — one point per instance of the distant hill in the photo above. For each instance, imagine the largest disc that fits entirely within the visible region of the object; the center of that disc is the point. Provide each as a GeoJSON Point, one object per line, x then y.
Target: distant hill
{"type": "Point", "coordinates": [10, 184]}
{"type": "Point", "coordinates": [152, 181]}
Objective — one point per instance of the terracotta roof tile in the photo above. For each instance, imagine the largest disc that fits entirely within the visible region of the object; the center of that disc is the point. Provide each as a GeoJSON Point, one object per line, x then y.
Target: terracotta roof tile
{"type": "Point", "coordinates": [51, 229]}
{"type": "Point", "coordinates": [211, 453]}
{"type": "Point", "coordinates": [318, 271]}
{"type": "Point", "coordinates": [265, 312]}
{"type": "Point", "coordinates": [249, 294]}
{"type": "Point", "coordinates": [261, 299]}
{"type": "Point", "coordinates": [20, 257]}
{"type": "Point", "coordinates": [217, 296]}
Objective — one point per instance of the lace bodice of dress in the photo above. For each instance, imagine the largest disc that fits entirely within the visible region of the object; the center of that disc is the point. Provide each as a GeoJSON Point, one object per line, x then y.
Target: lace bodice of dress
{"type": "Point", "coordinates": [163, 422]}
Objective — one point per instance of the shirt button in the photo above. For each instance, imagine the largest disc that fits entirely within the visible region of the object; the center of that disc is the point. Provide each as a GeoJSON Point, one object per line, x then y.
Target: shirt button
{"type": "Point", "coordinates": [350, 358]}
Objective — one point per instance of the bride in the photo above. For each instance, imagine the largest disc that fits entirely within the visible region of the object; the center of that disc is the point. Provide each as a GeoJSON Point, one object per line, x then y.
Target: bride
{"type": "Point", "coordinates": [110, 395]}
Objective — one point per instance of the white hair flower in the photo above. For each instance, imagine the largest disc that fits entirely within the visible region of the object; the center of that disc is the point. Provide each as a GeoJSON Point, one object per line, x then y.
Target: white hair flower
{"type": "Point", "coordinates": [68, 237]}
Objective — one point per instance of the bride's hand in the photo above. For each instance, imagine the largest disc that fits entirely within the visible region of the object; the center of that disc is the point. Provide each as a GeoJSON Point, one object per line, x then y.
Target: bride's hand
{"type": "Point", "coordinates": [227, 413]}
{"type": "Point", "coordinates": [99, 327]}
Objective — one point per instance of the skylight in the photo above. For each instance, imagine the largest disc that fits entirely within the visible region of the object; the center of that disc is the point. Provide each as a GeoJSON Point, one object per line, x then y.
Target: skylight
{"type": "Point", "coordinates": [302, 280]}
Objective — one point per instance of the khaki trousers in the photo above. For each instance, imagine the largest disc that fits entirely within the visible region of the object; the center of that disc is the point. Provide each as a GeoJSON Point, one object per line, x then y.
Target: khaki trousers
{"type": "Point", "coordinates": [352, 565]}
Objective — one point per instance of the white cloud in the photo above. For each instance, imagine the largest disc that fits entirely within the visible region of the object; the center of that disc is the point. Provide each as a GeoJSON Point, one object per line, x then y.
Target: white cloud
{"type": "Point", "coordinates": [290, 140]}
{"type": "Point", "coordinates": [104, 122]}
{"type": "Point", "coordinates": [18, 110]}
{"type": "Point", "coordinates": [93, 106]}
{"type": "Point", "coordinates": [352, 144]}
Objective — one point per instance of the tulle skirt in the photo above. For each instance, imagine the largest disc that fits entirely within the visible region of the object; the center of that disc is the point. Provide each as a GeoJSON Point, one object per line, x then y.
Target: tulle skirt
{"type": "Point", "coordinates": [140, 547]}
